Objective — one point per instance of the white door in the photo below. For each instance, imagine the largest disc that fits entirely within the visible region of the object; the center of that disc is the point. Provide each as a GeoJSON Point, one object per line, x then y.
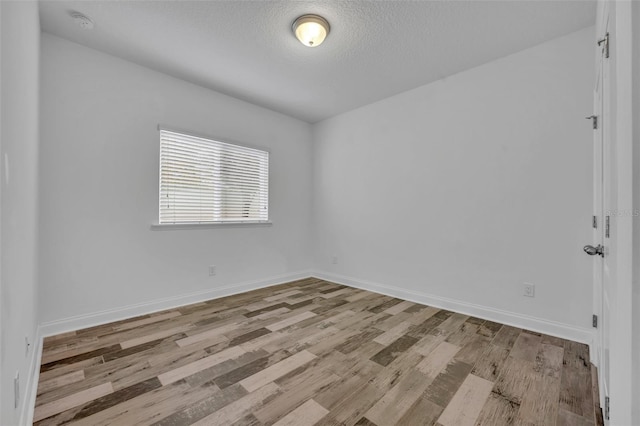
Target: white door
{"type": "Point", "coordinates": [601, 248]}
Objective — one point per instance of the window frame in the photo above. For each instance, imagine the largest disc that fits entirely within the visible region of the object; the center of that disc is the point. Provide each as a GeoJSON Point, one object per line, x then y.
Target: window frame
{"type": "Point", "coordinates": [156, 225]}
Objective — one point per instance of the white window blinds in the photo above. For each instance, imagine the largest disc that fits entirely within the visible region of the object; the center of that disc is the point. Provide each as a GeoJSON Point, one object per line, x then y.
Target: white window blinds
{"type": "Point", "coordinates": [207, 181]}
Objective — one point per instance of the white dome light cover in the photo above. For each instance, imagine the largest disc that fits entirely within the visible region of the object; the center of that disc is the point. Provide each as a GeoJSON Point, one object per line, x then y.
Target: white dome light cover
{"type": "Point", "coordinates": [311, 30]}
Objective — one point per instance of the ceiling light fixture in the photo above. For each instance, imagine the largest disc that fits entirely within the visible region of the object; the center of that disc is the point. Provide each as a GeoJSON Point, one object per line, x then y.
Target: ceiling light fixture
{"type": "Point", "coordinates": [311, 30]}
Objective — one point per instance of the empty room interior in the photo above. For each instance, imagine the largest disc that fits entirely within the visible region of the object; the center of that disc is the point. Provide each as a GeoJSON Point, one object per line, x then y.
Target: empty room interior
{"type": "Point", "coordinates": [368, 213]}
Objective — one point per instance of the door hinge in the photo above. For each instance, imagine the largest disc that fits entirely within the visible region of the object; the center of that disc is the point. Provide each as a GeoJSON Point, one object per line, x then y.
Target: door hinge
{"type": "Point", "coordinates": [594, 321]}
{"type": "Point", "coordinates": [594, 121]}
{"type": "Point", "coordinates": [606, 226]}
{"type": "Point", "coordinates": [604, 42]}
{"type": "Point", "coordinates": [606, 408]}
{"type": "Point", "coordinates": [595, 222]}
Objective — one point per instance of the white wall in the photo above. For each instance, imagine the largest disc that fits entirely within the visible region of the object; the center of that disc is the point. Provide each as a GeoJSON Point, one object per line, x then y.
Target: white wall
{"type": "Point", "coordinates": [635, 67]}
{"type": "Point", "coordinates": [635, 332]}
{"type": "Point", "coordinates": [468, 187]}
{"type": "Point", "coordinates": [20, 39]}
{"type": "Point", "coordinates": [99, 187]}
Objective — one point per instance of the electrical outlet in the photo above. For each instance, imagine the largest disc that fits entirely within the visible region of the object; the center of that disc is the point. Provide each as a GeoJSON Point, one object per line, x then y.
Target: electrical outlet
{"type": "Point", "coordinates": [334, 260]}
{"type": "Point", "coordinates": [16, 390]}
{"type": "Point", "coordinates": [212, 270]}
{"type": "Point", "coordinates": [529, 290]}
{"type": "Point", "coordinates": [26, 346]}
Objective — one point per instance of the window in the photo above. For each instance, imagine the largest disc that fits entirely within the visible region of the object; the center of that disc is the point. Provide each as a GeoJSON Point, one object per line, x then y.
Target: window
{"type": "Point", "coordinates": [208, 181]}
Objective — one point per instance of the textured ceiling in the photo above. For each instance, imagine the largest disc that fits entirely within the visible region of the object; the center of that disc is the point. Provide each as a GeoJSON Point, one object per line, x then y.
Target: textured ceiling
{"type": "Point", "coordinates": [375, 49]}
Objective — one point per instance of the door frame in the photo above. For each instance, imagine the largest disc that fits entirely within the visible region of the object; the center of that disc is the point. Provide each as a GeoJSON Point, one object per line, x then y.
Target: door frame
{"type": "Point", "coordinates": [597, 343]}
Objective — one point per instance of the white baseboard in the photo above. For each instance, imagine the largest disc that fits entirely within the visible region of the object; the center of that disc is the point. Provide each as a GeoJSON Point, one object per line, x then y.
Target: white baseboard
{"type": "Point", "coordinates": [110, 315]}
{"type": "Point", "coordinates": [594, 356]}
{"type": "Point", "coordinates": [31, 385]}
{"type": "Point", "coordinates": [552, 328]}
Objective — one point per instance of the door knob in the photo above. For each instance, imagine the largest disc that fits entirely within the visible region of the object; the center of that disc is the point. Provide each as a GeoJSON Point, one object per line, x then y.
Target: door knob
{"type": "Point", "coordinates": [592, 251]}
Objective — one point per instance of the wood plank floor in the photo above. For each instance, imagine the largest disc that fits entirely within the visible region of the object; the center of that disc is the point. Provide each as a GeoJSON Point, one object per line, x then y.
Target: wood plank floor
{"type": "Point", "coordinates": [313, 353]}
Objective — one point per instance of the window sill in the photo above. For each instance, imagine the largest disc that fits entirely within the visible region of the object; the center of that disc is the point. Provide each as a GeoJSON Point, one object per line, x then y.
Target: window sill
{"type": "Point", "coordinates": [186, 226]}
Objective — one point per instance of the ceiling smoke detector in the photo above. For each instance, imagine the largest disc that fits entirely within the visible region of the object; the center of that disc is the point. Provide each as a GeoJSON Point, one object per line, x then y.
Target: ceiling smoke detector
{"type": "Point", "coordinates": [81, 20]}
